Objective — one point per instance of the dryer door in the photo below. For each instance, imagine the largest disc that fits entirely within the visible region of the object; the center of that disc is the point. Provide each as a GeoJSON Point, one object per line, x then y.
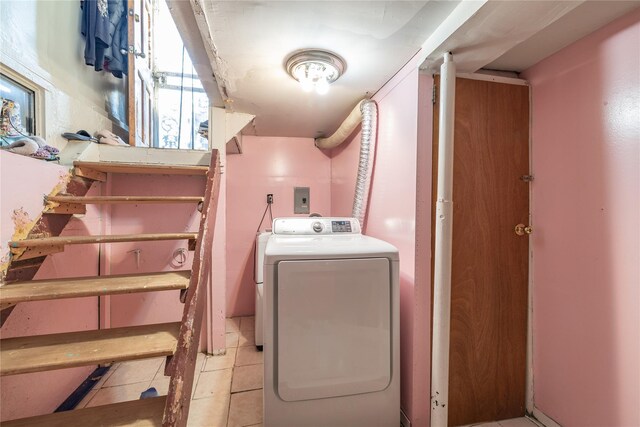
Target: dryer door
{"type": "Point", "coordinates": [333, 328]}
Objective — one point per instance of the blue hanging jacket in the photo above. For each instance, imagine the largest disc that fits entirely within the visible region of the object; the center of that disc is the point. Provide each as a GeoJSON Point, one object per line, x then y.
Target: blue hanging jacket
{"type": "Point", "coordinates": [95, 28]}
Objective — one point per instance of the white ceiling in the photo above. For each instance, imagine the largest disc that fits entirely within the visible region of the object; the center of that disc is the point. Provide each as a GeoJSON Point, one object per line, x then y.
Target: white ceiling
{"type": "Point", "coordinates": [254, 38]}
{"type": "Point", "coordinates": [251, 40]}
{"type": "Point", "coordinates": [583, 20]}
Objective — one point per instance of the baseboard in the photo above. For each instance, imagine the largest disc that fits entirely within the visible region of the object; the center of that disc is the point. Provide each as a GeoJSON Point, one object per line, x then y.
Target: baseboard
{"type": "Point", "coordinates": [404, 420]}
{"type": "Point", "coordinates": [219, 352]}
{"type": "Point", "coordinates": [543, 419]}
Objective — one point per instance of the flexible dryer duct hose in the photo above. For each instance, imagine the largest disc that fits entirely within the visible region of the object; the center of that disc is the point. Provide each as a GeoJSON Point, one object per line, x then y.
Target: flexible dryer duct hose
{"type": "Point", "coordinates": [366, 112]}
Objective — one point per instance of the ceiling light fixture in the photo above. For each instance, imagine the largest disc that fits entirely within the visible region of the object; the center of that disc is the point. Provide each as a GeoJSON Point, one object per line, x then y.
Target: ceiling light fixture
{"type": "Point", "coordinates": [315, 69]}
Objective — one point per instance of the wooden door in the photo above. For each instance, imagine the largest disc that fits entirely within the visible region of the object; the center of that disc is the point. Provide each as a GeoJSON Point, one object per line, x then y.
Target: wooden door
{"type": "Point", "coordinates": [487, 360]}
{"type": "Point", "coordinates": [140, 78]}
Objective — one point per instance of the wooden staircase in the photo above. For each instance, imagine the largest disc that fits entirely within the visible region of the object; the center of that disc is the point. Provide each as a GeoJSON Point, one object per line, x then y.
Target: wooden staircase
{"type": "Point", "coordinates": [139, 413]}
{"type": "Point", "coordinates": [98, 170]}
{"type": "Point", "coordinates": [68, 350]}
{"type": "Point", "coordinates": [178, 341]}
{"type": "Point", "coordinates": [33, 248]}
{"type": "Point", "coordinates": [50, 289]}
{"type": "Point", "coordinates": [66, 204]}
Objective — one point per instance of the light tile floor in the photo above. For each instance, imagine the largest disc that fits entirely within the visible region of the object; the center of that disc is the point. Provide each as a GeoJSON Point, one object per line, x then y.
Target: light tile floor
{"type": "Point", "coordinates": [227, 389]}
{"type": "Point", "coordinates": [515, 422]}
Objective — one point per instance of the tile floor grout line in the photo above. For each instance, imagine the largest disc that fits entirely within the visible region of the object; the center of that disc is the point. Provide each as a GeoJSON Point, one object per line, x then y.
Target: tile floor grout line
{"type": "Point", "coordinates": [118, 391]}
{"type": "Point", "coordinates": [229, 393]}
{"type": "Point", "coordinates": [229, 402]}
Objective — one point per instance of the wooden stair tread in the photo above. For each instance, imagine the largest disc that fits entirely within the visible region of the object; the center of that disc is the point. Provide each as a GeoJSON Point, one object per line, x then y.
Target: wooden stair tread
{"type": "Point", "coordinates": [39, 290]}
{"type": "Point", "coordinates": [56, 351]}
{"type": "Point", "coordinates": [139, 413]}
{"type": "Point", "coordinates": [76, 240]}
{"type": "Point", "coordinates": [143, 168]}
{"type": "Point", "coordinates": [95, 200]}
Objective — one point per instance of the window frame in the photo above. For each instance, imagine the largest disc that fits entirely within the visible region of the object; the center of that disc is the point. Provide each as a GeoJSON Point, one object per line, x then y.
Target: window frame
{"type": "Point", "coordinates": [38, 97]}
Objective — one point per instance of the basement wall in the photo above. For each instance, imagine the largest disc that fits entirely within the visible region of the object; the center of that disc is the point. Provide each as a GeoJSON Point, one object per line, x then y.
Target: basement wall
{"type": "Point", "coordinates": [586, 214]}
{"type": "Point", "coordinates": [398, 194]}
{"type": "Point", "coordinates": [148, 307]}
{"type": "Point", "coordinates": [267, 165]}
{"type": "Point", "coordinates": [23, 182]}
{"type": "Point", "coordinates": [41, 41]}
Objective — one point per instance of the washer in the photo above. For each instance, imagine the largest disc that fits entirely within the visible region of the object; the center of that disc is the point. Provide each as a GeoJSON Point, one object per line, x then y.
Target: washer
{"type": "Point", "coordinates": [261, 244]}
{"type": "Point", "coordinates": [331, 326]}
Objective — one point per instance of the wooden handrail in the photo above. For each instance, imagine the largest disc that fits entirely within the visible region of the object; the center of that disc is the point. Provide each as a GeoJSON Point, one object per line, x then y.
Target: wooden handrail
{"type": "Point", "coordinates": [182, 364]}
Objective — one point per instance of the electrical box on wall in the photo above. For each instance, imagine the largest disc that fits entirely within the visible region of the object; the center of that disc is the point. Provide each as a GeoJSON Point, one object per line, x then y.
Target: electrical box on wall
{"type": "Point", "coordinates": [301, 201]}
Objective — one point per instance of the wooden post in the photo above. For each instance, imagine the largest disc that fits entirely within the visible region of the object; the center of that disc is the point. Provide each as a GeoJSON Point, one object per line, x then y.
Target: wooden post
{"type": "Point", "coordinates": [182, 364]}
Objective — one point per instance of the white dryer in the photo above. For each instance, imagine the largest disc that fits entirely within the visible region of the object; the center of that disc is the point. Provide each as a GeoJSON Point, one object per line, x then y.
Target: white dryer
{"type": "Point", "coordinates": [261, 244]}
{"type": "Point", "coordinates": [331, 326]}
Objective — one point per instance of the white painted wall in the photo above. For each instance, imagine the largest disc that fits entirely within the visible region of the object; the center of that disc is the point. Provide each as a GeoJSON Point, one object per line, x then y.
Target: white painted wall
{"type": "Point", "coordinates": [41, 41]}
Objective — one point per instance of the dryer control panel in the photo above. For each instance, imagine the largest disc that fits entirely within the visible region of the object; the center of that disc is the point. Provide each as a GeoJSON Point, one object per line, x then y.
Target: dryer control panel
{"type": "Point", "coordinates": [315, 225]}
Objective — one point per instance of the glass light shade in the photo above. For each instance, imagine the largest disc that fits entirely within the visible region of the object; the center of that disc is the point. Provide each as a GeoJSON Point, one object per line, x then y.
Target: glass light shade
{"type": "Point", "coordinates": [322, 87]}
{"type": "Point", "coordinates": [315, 69]}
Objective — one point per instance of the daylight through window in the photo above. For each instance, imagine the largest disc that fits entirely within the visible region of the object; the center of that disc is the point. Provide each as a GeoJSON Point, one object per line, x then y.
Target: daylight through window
{"type": "Point", "coordinates": [18, 110]}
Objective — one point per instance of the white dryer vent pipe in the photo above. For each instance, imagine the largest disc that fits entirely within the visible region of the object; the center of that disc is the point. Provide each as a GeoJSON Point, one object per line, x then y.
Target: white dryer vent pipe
{"type": "Point", "coordinates": [366, 112]}
{"type": "Point", "coordinates": [346, 128]}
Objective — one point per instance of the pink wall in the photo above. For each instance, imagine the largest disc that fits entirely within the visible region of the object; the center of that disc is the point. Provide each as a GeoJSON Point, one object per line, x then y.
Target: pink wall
{"type": "Point", "coordinates": [586, 211]}
{"type": "Point", "coordinates": [267, 165]}
{"type": "Point", "coordinates": [421, 367]}
{"type": "Point", "coordinates": [344, 168]}
{"type": "Point", "coordinates": [150, 307]}
{"type": "Point", "coordinates": [40, 393]}
{"type": "Point", "coordinates": [392, 217]}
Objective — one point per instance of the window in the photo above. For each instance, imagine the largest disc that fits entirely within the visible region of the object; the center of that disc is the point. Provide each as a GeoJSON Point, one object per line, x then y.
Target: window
{"type": "Point", "coordinates": [182, 105]}
{"type": "Point", "coordinates": [18, 109]}
{"type": "Point", "coordinates": [181, 102]}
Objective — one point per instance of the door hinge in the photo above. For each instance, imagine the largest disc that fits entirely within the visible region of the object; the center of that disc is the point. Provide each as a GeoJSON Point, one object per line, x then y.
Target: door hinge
{"type": "Point", "coordinates": [527, 178]}
{"type": "Point", "coordinates": [434, 93]}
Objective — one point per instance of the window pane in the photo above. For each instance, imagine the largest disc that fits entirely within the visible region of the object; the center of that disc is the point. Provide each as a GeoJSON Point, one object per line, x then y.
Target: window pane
{"type": "Point", "coordinates": [168, 43]}
{"type": "Point", "coordinates": [195, 109]}
{"type": "Point", "coordinates": [186, 81]}
{"type": "Point", "coordinates": [181, 101]}
{"type": "Point", "coordinates": [18, 108]}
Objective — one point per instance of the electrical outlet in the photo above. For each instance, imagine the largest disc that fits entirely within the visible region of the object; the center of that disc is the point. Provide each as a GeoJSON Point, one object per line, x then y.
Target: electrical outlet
{"type": "Point", "coordinates": [269, 199]}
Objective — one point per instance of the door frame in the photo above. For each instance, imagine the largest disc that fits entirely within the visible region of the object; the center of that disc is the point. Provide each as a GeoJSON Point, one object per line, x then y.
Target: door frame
{"type": "Point", "coordinates": [529, 394]}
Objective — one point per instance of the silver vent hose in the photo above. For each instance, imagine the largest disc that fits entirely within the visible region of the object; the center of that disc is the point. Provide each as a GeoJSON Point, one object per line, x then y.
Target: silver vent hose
{"type": "Point", "coordinates": [367, 155]}
{"type": "Point", "coordinates": [368, 115]}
